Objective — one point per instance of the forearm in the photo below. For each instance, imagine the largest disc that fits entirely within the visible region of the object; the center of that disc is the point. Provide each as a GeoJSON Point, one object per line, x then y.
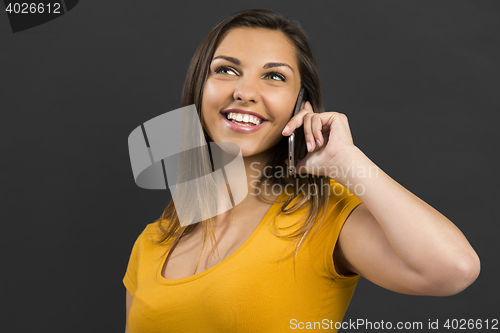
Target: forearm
{"type": "Point", "coordinates": [425, 240]}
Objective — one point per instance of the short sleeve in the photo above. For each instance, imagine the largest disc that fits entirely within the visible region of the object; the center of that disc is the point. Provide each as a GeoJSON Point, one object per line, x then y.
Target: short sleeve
{"type": "Point", "coordinates": [322, 245]}
{"type": "Point", "coordinates": [130, 279]}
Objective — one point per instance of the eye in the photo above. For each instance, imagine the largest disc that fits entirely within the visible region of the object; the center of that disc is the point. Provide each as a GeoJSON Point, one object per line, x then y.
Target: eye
{"type": "Point", "coordinates": [226, 70]}
{"type": "Point", "coordinates": [275, 76]}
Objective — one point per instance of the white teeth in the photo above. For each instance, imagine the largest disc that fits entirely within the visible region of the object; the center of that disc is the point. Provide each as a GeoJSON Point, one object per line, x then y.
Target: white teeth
{"type": "Point", "coordinates": [244, 118]}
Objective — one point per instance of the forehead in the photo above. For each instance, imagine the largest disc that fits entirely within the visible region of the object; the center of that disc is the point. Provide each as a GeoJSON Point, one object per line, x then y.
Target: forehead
{"type": "Point", "coordinates": [257, 44]}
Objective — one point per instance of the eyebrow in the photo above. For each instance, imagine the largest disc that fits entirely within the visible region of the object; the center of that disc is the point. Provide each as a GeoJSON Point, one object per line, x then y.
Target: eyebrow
{"type": "Point", "coordinates": [266, 66]}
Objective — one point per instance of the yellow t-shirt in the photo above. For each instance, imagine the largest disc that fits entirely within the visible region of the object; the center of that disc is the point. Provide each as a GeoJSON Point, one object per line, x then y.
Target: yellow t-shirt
{"type": "Point", "coordinates": [249, 291]}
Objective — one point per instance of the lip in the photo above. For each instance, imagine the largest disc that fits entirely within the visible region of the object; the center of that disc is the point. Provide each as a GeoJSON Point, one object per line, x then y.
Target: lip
{"type": "Point", "coordinates": [240, 128]}
{"type": "Point", "coordinates": [245, 112]}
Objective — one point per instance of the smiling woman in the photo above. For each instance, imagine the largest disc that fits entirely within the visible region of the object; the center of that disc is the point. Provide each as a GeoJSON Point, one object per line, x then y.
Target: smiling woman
{"type": "Point", "coordinates": [284, 257]}
{"type": "Point", "coordinates": [254, 72]}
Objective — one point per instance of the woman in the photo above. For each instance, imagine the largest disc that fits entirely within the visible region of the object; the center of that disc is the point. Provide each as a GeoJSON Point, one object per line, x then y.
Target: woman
{"type": "Point", "coordinates": [282, 260]}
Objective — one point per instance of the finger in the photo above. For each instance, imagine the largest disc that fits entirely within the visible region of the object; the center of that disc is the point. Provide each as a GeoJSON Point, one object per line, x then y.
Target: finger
{"type": "Point", "coordinates": [308, 106]}
{"type": "Point", "coordinates": [295, 122]}
{"type": "Point", "coordinates": [308, 135]}
{"type": "Point", "coordinates": [339, 117]}
{"type": "Point", "coordinates": [317, 127]}
{"type": "Point", "coordinates": [338, 122]}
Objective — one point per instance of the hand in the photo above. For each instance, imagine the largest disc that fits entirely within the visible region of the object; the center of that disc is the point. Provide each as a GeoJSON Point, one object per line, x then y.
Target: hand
{"type": "Point", "coordinates": [327, 137]}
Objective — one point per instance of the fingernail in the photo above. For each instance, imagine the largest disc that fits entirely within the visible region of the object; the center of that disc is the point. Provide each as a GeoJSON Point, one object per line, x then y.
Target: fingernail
{"type": "Point", "coordinates": [309, 145]}
{"type": "Point", "coordinates": [319, 143]}
{"type": "Point", "coordinates": [284, 130]}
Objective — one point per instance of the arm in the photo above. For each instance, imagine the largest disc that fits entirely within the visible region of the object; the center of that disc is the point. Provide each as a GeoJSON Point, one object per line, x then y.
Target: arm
{"type": "Point", "coordinates": [128, 303]}
{"type": "Point", "coordinates": [393, 239]}
{"type": "Point", "coordinates": [399, 242]}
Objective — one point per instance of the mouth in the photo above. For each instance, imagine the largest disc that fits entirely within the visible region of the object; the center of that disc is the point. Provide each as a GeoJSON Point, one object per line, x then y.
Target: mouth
{"type": "Point", "coordinates": [242, 121]}
{"type": "Point", "coordinates": [243, 117]}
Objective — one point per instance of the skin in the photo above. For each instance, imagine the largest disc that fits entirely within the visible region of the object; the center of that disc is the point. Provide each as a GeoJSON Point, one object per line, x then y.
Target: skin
{"type": "Point", "coordinates": [393, 238]}
{"type": "Point", "coordinates": [254, 70]}
{"type": "Point", "coordinates": [239, 80]}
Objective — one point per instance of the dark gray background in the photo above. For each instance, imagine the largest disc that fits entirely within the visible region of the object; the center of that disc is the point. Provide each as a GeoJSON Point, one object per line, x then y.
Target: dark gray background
{"type": "Point", "coordinates": [419, 81]}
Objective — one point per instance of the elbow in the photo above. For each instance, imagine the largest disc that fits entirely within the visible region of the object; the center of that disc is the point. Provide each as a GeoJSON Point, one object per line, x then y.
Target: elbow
{"type": "Point", "coordinates": [469, 271]}
{"type": "Point", "coordinates": [456, 276]}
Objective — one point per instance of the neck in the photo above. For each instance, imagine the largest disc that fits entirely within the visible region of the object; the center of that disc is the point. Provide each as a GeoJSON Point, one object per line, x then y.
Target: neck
{"type": "Point", "coordinates": [255, 166]}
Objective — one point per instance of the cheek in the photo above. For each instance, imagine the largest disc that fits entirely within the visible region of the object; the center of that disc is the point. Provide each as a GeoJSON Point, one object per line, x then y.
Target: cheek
{"type": "Point", "coordinates": [208, 95]}
{"type": "Point", "coordinates": [208, 101]}
{"type": "Point", "coordinates": [283, 110]}
{"type": "Point", "coordinates": [213, 99]}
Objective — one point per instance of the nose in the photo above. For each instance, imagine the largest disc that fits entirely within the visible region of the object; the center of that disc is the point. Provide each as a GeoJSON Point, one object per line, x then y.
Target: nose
{"type": "Point", "coordinates": [247, 90]}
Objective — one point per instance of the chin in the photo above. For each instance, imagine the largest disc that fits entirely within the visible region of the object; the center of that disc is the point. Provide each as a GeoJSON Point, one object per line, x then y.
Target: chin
{"type": "Point", "coordinates": [247, 151]}
{"type": "Point", "coordinates": [263, 152]}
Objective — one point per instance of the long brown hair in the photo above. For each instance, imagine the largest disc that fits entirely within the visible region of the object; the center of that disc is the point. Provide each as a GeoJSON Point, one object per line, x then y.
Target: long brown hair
{"type": "Point", "coordinates": [169, 226]}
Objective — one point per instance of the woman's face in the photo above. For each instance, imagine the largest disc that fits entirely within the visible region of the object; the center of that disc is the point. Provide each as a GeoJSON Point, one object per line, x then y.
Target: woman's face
{"type": "Point", "coordinates": [254, 80]}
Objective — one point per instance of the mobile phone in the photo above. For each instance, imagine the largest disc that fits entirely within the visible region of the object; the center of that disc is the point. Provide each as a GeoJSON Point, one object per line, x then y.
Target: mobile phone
{"type": "Point", "coordinates": [296, 142]}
